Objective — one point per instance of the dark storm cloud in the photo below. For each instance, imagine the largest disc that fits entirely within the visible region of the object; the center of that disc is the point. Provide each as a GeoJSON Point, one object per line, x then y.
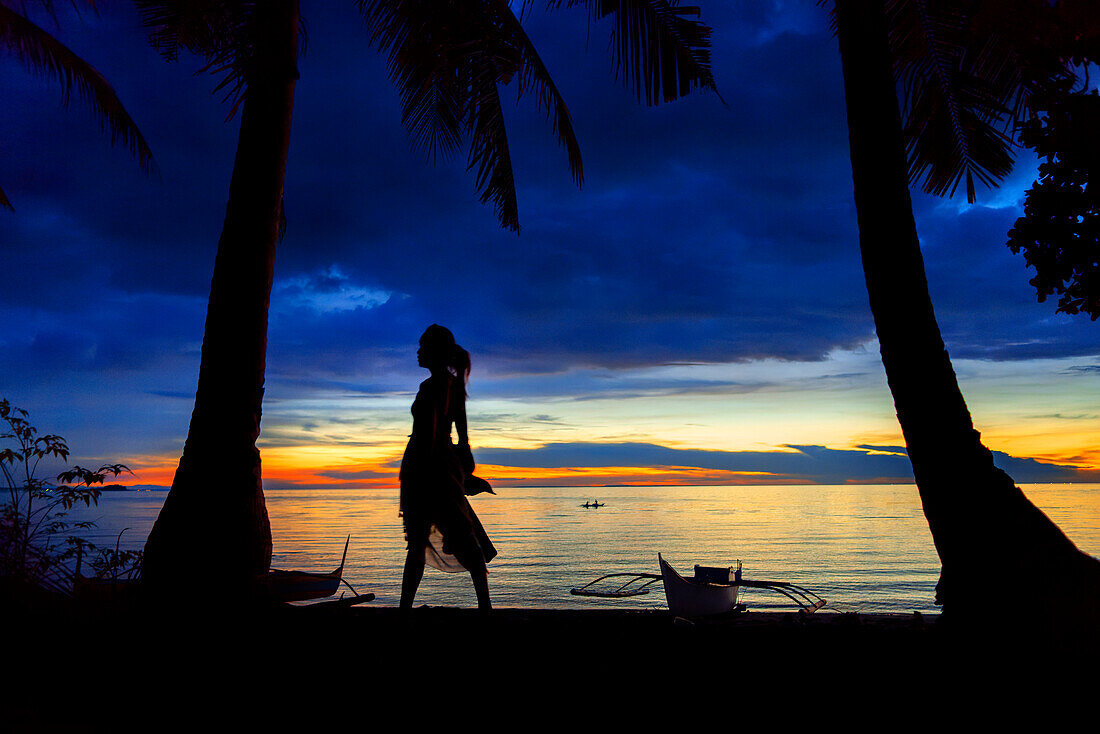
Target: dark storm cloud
{"type": "Point", "coordinates": [114, 333]}
{"type": "Point", "coordinates": [89, 204]}
{"type": "Point", "coordinates": [805, 463]}
{"type": "Point", "coordinates": [984, 303]}
{"type": "Point", "coordinates": [604, 383]}
{"type": "Point", "coordinates": [704, 232]}
{"type": "Point", "coordinates": [664, 256]}
{"type": "Point", "coordinates": [816, 464]}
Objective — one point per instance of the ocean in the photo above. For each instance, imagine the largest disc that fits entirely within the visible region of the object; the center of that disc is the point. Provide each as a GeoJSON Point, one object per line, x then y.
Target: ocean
{"type": "Point", "coordinates": [864, 548]}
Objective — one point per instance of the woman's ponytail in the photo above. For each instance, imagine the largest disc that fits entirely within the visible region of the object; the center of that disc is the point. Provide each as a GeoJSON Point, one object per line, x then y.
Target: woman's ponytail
{"type": "Point", "coordinates": [461, 366]}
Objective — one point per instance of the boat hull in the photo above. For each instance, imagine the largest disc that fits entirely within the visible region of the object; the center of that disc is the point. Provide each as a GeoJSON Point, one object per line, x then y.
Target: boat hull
{"type": "Point", "coordinates": [298, 585]}
{"type": "Point", "coordinates": [286, 586]}
{"type": "Point", "coordinates": [687, 598]}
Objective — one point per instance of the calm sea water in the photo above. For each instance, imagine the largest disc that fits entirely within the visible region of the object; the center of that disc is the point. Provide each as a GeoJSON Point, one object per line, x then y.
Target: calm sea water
{"type": "Point", "coordinates": [863, 547]}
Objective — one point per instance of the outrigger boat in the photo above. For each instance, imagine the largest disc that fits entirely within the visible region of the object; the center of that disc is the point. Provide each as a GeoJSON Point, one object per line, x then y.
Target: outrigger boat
{"type": "Point", "coordinates": [285, 586]}
{"type": "Point", "coordinates": [594, 503]}
{"type": "Point", "coordinates": [712, 591]}
{"type": "Point", "coordinates": [276, 585]}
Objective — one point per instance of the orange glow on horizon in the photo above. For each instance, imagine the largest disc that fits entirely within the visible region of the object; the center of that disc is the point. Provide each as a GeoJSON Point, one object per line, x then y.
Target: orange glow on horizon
{"type": "Point", "coordinates": [384, 475]}
{"type": "Point", "coordinates": [583, 476]}
{"type": "Point", "coordinates": [153, 470]}
{"type": "Point", "coordinates": [376, 467]}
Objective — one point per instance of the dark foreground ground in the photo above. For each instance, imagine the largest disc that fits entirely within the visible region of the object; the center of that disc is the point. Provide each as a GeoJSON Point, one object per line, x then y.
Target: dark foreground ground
{"type": "Point", "coordinates": [204, 667]}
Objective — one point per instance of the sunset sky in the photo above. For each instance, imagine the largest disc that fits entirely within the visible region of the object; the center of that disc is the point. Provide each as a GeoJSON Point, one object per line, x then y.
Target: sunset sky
{"type": "Point", "coordinates": [696, 313]}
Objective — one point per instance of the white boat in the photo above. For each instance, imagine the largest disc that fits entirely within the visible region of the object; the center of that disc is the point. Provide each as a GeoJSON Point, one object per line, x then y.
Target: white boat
{"type": "Point", "coordinates": [712, 591]}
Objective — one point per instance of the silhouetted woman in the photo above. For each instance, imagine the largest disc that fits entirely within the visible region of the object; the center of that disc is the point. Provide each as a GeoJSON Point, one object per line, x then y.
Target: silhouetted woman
{"type": "Point", "coordinates": [440, 526]}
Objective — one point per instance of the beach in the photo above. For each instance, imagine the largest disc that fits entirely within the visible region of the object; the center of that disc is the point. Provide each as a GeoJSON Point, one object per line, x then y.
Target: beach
{"type": "Point", "coordinates": [372, 667]}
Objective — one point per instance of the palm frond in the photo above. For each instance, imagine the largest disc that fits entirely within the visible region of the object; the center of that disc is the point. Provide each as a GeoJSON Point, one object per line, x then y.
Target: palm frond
{"type": "Point", "coordinates": [431, 110]}
{"type": "Point", "coordinates": [1031, 48]}
{"type": "Point", "coordinates": [535, 76]}
{"type": "Point", "coordinates": [953, 111]}
{"type": "Point", "coordinates": [447, 59]}
{"type": "Point", "coordinates": [971, 73]}
{"type": "Point", "coordinates": [41, 53]}
{"type": "Point", "coordinates": [656, 49]}
{"type": "Point", "coordinates": [426, 69]}
{"type": "Point", "coordinates": [219, 31]}
{"type": "Point", "coordinates": [427, 49]}
{"type": "Point", "coordinates": [489, 154]}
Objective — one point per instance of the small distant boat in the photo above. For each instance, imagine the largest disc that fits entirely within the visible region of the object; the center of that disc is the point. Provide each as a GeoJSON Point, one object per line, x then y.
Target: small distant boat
{"type": "Point", "coordinates": [594, 503]}
{"type": "Point", "coordinates": [283, 586]}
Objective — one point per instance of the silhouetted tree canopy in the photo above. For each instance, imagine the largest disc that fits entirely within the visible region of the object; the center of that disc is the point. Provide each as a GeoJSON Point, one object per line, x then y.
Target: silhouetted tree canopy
{"type": "Point", "coordinates": [1059, 233]}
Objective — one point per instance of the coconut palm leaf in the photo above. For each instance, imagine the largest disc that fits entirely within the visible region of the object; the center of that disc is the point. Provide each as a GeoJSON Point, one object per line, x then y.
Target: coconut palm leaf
{"type": "Point", "coordinates": [222, 32]}
{"type": "Point", "coordinates": [489, 154]}
{"type": "Point", "coordinates": [969, 73]}
{"type": "Point", "coordinates": [447, 59]}
{"type": "Point", "coordinates": [535, 76]}
{"type": "Point", "coordinates": [973, 72]}
{"type": "Point", "coordinates": [656, 49]}
{"type": "Point", "coordinates": [428, 53]}
{"type": "Point", "coordinates": [954, 101]}
{"type": "Point", "coordinates": [41, 53]}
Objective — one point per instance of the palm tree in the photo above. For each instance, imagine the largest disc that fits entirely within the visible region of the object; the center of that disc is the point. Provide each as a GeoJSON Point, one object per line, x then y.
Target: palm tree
{"type": "Point", "coordinates": [990, 538]}
{"type": "Point", "coordinates": [43, 54]}
{"type": "Point", "coordinates": [216, 504]}
{"type": "Point", "coordinates": [448, 59]}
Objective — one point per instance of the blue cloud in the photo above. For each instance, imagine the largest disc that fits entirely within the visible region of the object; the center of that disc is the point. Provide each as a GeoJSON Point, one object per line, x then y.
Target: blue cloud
{"type": "Point", "coordinates": [818, 464]}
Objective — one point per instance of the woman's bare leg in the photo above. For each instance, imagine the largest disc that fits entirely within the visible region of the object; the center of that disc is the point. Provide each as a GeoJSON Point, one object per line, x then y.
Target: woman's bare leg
{"type": "Point", "coordinates": [480, 576]}
{"type": "Point", "coordinates": [410, 581]}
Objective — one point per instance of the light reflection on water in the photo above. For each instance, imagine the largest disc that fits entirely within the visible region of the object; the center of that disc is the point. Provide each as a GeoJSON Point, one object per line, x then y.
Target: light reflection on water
{"type": "Point", "coordinates": [862, 547]}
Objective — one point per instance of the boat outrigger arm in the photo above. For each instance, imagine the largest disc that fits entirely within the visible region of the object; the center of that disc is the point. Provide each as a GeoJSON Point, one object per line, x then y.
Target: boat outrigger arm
{"type": "Point", "coordinates": [808, 601]}
{"type": "Point", "coordinates": [634, 586]}
{"type": "Point", "coordinates": [637, 584]}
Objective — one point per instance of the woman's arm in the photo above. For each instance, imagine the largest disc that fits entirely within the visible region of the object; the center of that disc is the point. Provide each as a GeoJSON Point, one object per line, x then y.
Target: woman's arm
{"type": "Point", "coordinates": [458, 410]}
{"type": "Point", "coordinates": [425, 431]}
{"type": "Point", "coordinates": [436, 410]}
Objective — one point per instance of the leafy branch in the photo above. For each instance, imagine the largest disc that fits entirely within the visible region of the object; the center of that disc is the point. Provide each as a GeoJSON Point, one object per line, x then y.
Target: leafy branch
{"type": "Point", "coordinates": [36, 512]}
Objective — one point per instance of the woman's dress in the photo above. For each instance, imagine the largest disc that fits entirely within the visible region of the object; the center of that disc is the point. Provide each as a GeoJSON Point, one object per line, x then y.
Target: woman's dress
{"type": "Point", "coordinates": [434, 507]}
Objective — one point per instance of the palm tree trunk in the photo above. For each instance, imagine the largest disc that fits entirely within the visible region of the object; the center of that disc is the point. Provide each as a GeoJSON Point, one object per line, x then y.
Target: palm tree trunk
{"type": "Point", "coordinates": [992, 541]}
{"type": "Point", "coordinates": [215, 517]}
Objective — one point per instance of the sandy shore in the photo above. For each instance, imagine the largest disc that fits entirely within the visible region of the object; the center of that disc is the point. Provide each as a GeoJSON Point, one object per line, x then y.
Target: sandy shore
{"type": "Point", "coordinates": [591, 627]}
{"type": "Point", "coordinates": [559, 666]}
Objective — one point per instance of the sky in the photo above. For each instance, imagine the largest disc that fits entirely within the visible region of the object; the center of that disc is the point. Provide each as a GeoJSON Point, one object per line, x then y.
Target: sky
{"type": "Point", "coordinates": [695, 313]}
